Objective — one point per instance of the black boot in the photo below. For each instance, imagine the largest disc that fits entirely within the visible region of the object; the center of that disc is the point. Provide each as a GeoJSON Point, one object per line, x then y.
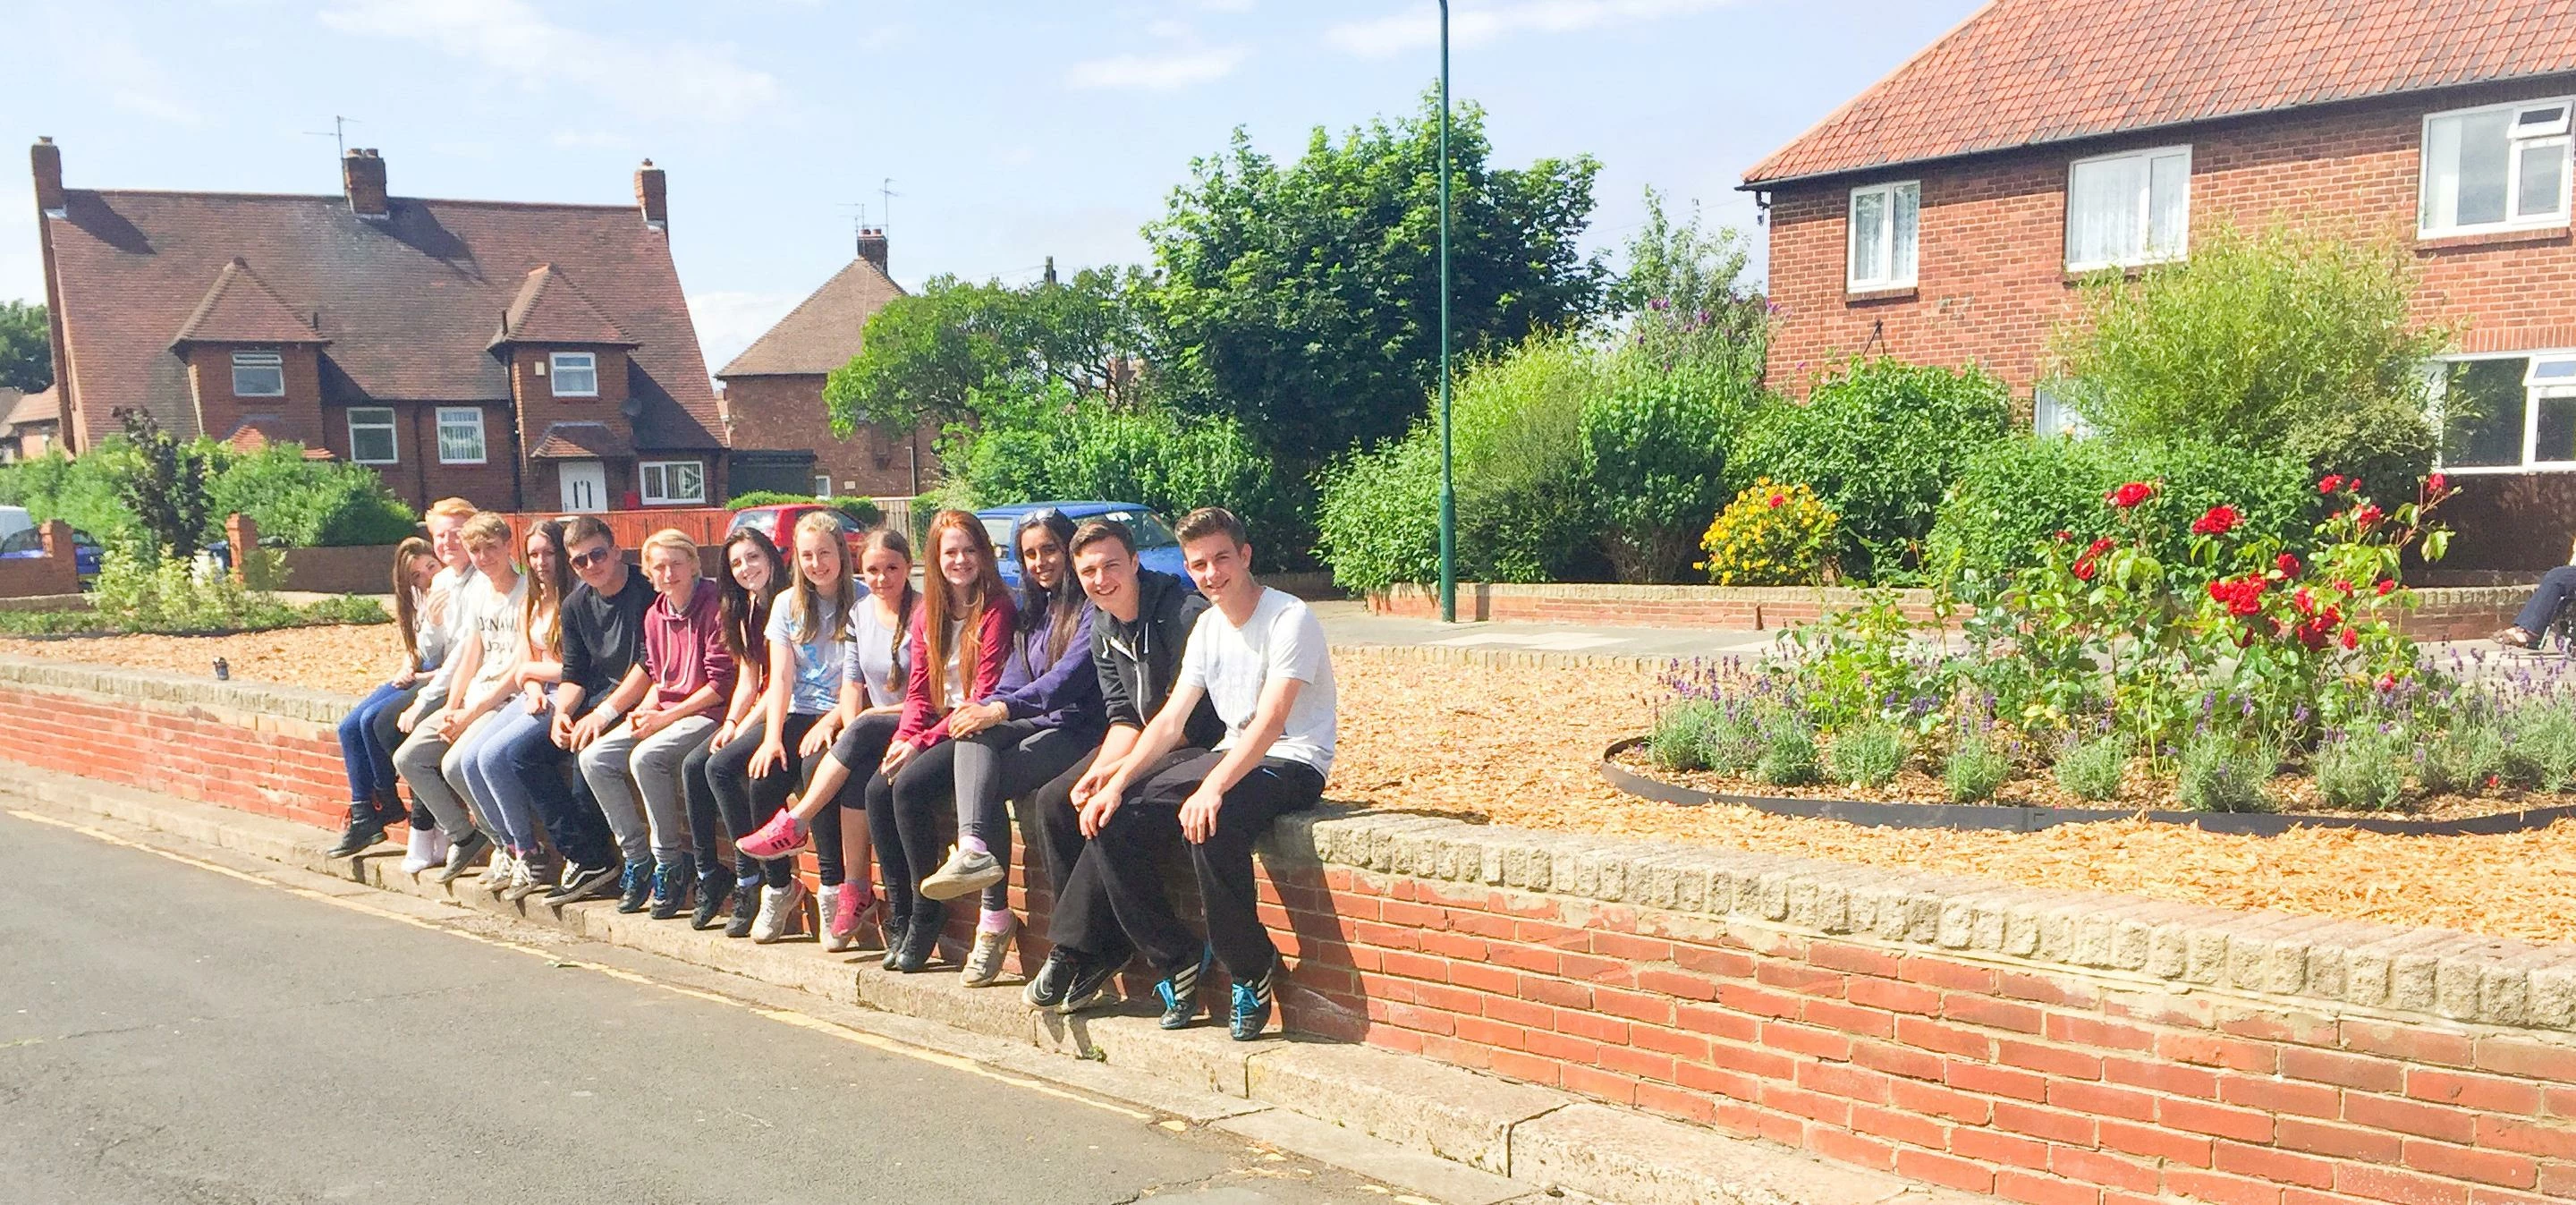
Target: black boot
{"type": "Point", "coordinates": [746, 907]}
{"type": "Point", "coordinates": [366, 830]}
{"type": "Point", "coordinates": [671, 886]}
{"type": "Point", "coordinates": [920, 940]}
{"type": "Point", "coordinates": [715, 890]}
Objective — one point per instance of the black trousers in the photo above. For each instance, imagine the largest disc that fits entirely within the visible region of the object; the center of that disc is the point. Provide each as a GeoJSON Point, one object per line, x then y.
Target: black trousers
{"type": "Point", "coordinates": [910, 816]}
{"type": "Point", "coordinates": [1083, 922]}
{"type": "Point", "coordinates": [743, 802]}
{"type": "Point", "coordinates": [1124, 861]}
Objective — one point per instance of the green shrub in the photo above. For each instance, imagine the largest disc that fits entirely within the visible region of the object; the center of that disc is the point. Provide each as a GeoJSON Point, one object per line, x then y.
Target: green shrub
{"type": "Point", "coordinates": [1771, 535]}
{"type": "Point", "coordinates": [860, 510]}
{"type": "Point", "coordinates": [1868, 755]}
{"type": "Point", "coordinates": [2461, 759]}
{"type": "Point", "coordinates": [1879, 441]}
{"type": "Point", "coordinates": [2220, 774]}
{"type": "Point", "coordinates": [1054, 447]}
{"type": "Point", "coordinates": [1378, 515]}
{"type": "Point", "coordinates": [1680, 737]}
{"type": "Point", "coordinates": [1788, 757]}
{"type": "Point", "coordinates": [2361, 770]}
{"type": "Point", "coordinates": [1654, 467]}
{"type": "Point", "coordinates": [80, 492]}
{"type": "Point", "coordinates": [2297, 341]}
{"type": "Point", "coordinates": [2018, 492]}
{"type": "Point", "coordinates": [306, 503]}
{"type": "Point", "coordinates": [2092, 770]}
{"type": "Point", "coordinates": [2540, 749]}
{"type": "Point", "coordinates": [1977, 765]}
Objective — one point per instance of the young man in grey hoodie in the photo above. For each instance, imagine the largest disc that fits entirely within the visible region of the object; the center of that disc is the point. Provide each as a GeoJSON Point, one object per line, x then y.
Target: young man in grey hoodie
{"type": "Point", "coordinates": [1144, 622]}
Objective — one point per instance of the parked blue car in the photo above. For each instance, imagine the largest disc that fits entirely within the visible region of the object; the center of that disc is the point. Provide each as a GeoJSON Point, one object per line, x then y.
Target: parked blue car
{"type": "Point", "coordinates": [86, 554]}
{"type": "Point", "coordinates": [1156, 546]}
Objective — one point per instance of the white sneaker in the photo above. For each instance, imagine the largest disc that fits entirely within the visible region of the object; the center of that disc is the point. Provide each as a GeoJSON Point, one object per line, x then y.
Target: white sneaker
{"type": "Point", "coordinates": [417, 855]}
{"type": "Point", "coordinates": [439, 847]}
{"type": "Point", "coordinates": [984, 962]}
{"type": "Point", "coordinates": [827, 899]}
{"type": "Point", "coordinates": [778, 909]}
{"type": "Point", "coordinates": [497, 875]}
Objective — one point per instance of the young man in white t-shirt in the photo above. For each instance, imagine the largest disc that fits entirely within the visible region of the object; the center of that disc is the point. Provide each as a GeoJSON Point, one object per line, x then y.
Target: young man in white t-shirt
{"type": "Point", "coordinates": [1258, 654]}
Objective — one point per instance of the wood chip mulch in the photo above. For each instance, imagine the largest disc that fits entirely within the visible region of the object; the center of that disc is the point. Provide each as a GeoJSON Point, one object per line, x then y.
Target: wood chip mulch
{"type": "Point", "coordinates": [1521, 746]}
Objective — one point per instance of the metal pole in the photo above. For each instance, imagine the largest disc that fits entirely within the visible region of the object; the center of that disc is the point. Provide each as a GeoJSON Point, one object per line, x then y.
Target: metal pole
{"type": "Point", "coordinates": [1448, 486]}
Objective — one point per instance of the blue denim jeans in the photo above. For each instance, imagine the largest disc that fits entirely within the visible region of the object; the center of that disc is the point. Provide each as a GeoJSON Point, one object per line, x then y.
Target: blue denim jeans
{"type": "Point", "coordinates": [370, 757]}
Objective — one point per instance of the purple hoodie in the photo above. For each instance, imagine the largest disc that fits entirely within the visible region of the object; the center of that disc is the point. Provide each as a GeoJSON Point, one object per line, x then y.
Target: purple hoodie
{"type": "Point", "coordinates": [1063, 693]}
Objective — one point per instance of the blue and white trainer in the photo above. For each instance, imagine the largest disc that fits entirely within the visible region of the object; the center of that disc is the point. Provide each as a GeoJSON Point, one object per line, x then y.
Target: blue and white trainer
{"type": "Point", "coordinates": [1180, 993]}
{"type": "Point", "coordinates": [1252, 1005]}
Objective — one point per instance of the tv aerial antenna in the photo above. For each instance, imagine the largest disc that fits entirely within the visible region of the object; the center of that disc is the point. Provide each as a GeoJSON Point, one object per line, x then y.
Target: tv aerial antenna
{"type": "Point", "coordinates": [338, 133]}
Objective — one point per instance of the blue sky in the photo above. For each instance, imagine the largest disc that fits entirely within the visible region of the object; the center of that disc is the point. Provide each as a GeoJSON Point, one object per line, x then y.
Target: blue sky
{"type": "Point", "coordinates": [1011, 131]}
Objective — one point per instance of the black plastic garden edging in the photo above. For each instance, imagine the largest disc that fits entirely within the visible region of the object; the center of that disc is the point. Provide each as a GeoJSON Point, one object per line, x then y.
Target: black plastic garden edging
{"type": "Point", "coordinates": [2004, 818]}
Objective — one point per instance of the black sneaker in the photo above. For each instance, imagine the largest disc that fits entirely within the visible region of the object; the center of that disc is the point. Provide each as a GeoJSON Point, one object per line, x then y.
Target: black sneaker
{"type": "Point", "coordinates": [920, 941]}
{"type": "Point", "coordinates": [715, 890]}
{"type": "Point", "coordinates": [636, 887]}
{"type": "Point", "coordinates": [465, 855]}
{"type": "Point", "coordinates": [1055, 976]}
{"type": "Point", "coordinates": [1252, 1005]}
{"type": "Point", "coordinates": [671, 886]}
{"type": "Point", "coordinates": [746, 908]}
{"type": "Point", "coordinates": [1088, 986]}
{"type": "Point", "coordinates": [1179, 992]}
{"type": "Point", "coordinates": [582, 882]}
{"type": "Point", "coordinates": [366, 830]}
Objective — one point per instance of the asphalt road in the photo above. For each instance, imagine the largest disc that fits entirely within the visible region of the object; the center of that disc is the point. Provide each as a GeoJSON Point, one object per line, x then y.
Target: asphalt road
{"type": "Point", "coordinates": [170, 1034]}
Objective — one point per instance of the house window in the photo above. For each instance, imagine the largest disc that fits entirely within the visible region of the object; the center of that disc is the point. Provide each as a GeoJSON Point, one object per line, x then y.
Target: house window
{"type": "Point", "coordinates": [460, 435]}
{"type": "Point", "coordinates": [2052, 413]}
{"type": "Point", "coordinates": [1883, 222]}
{"type": "Point", "coordinates": [371, 435]}
{"type": "Point", "coordinates": [822, 485]}
{"type": "Point", "coordinates": [575, 373]}
{"type": "Point", "coordinates": [674, 483]}
{"type": "Point", "coordinates": [2503, 167]}
{"type": "Point", "coordinates": [2123, 210]}
{"type": "Point", "coordinates": [259, 374]}
{"type": "Point", "coordinates": [2507, 413]}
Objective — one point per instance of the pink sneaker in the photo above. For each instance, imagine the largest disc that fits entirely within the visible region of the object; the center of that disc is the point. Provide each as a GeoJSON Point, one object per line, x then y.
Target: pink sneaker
{"type": "Point", "coordinates": [783, 835]}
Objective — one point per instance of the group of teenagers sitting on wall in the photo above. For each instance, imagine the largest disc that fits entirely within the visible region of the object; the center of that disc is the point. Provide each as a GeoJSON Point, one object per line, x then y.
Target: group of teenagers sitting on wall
{"type": "Point", "coordinates": [718, 728]}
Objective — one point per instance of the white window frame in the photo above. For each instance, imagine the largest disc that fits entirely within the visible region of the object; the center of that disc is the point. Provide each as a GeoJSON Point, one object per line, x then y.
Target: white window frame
{"type": "Point", "coordinates": [258, 360]}
{"type": "Point", "coordinates": [822, 485]}
{"type": "Point", "coordinates": [460, 415]}
{"type": "Point", "coordinates": [589, 362]}
{"type": "Point", "coordinates": [2146, 210]}
{"type": "Point", "coordinates": [391, 428]}
{"type": "Point", "coordinates": [2558, 132]}
{"type": "Point", "coordinates": [1872, 278]}
{"type": "Point", "coordinates": [2051, 414]}
{"type": "Point", "coordinates": [644, 476]}
{"type": "Point", "coordinates": [2437, 375]}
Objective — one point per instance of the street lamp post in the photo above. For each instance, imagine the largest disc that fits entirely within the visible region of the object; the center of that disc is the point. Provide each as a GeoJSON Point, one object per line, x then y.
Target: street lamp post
{"type": "Point", "coordinates": [1448, 486]}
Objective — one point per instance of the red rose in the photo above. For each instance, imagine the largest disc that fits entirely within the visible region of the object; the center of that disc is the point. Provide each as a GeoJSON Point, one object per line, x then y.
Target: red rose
{"type": "Point", "coordinates": [2353, 484]}
{"type": "Point", "coordinates": [2351, 639]}
{"type": "Point", "coordinates": [2342, 585]}
{"type": "Point", "coordinates": [2367, 516]}
{"type": "Point", "coordinates": [2303, 602]}
{"type": "Point", "coordinates": [2083, 569]}
{"type": "Point", "coordinates": [1776, 500]}
{"type": "Point", "coordinates": [2386, 587]}
{"type": "Point", "coordinates": [2100, 546]}
{"type": "Point", "coordinates": [2312, 635]}
{"type": "Point", "coordinates": [2436, 483]}
{"type": "Point", "coordinates": [2331, 484]}
{"type": "Point", "coordinates": [2064, 536]}
{"type": "Point", "coordinates": [2131, 494]}
{"type": "Point", "coordinates": [2289, 565]}
{"type": "Point", "coordinates": [2218, 522]}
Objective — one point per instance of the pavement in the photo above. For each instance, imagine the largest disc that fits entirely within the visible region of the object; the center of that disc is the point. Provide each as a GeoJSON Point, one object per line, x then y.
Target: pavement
{"type": "Point", "coordinates": [174, 1032]}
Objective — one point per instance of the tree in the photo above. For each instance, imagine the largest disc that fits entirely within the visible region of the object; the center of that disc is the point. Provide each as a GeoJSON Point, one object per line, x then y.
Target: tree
{"type": "Point", "coordinates": [168, 489]}
{"type": "Point", "coordinates": [2288, 340]}
{"type": "Point", "coordinates": [1684, 297]}
{"type": "Point", "coordinates": [1303, 299]}
{"type": "Point", "coordinates": [940, 355]}
{"type": "Point", "coordinates": [26, 347]}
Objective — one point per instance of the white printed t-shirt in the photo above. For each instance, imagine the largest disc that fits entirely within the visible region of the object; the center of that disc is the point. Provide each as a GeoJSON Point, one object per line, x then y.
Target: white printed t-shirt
{"type": "Point", "coordinates": [1283, 639]}
{"type": "Point", "coordinates": [494, 615]}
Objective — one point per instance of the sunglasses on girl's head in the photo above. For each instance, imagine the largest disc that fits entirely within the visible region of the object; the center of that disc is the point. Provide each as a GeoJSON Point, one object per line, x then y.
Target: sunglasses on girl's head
{"type": "Point", "coordinates": [584, 560]}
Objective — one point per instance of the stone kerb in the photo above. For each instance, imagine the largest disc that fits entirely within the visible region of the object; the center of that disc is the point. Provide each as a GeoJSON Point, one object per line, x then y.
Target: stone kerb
{"type": "Point", "coordinates": [236, 700]}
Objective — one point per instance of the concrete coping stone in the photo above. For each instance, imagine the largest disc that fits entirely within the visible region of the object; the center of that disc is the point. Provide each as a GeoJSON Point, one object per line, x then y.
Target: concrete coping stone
{"type": "Point", "coordinates": [2429, 972]}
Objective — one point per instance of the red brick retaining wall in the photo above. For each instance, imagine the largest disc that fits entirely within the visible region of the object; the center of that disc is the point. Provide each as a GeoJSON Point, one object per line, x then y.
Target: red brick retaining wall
{"type": "Point", "coordinates": [2042, 1046]}
{"type": "Point", "coordinates": [2444, 613]}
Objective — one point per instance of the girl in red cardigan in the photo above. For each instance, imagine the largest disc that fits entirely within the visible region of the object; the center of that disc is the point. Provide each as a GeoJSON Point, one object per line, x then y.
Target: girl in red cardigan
{"type": "Point", "coordinates": [959, 642]}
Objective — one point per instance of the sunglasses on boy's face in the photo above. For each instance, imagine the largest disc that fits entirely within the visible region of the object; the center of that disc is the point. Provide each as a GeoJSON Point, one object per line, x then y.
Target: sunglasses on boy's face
{"type": "Point", "coordinates": [589, 557]}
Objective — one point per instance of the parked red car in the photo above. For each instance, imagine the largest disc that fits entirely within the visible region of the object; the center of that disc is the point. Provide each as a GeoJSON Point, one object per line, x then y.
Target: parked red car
{"type": "Point", "coordinates": [778, 521]}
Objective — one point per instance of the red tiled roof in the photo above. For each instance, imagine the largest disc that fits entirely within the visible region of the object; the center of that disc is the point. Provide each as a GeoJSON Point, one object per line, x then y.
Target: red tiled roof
{"type": "Point", "coordinates": [822, 332]}
{"type": "Point", "coordinates": [43, 406]}
{"type": "Point", "coordinates": [409, 303]}
{"type": "Point", "coordinates": [2026, 72]}
{"type": "Point", "coordinates": [550, 308]}
{"type": "Point", "coordinates": [580, 441]}
{"type": "Point", "coordinates": [241, 308]}
{"type": "Point", "coordinates": [258, 431]}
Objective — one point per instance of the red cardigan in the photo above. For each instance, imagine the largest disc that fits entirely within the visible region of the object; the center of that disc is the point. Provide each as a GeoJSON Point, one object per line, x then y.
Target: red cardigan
{"type": "Point", "coordinates": [925, 719]}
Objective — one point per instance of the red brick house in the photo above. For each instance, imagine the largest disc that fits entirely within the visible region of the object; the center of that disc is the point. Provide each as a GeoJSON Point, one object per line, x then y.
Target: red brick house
{"type": "Point", "coordinates": [524, 356]}
{"type": "Point", "coordinates": [1944, 215]}
{"type": "Point", "coordinates": [780, 431]}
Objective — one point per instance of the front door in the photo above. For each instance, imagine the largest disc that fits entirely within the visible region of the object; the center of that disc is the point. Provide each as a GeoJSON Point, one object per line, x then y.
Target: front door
{"type": "Point", "coordinates": [585, 484]}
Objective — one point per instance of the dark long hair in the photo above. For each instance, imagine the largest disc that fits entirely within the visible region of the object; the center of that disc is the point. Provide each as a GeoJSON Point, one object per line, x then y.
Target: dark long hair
{"type": "Point", "coordinates": [892, 541]}
{"type": "Point", "coordinates": [1060, 608]}
{"type": "Point", "coordinates": [938, 610]}
{"type": "Point", "coordinates": [407, 608]}
{"type": "Point", "coordinates": [546, 593]}
{"type": "Point", "coordinates": [737, 612]}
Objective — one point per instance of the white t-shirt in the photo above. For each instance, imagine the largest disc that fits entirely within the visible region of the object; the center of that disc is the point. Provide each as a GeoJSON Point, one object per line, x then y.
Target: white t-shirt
{"type": "Point", "coordinates": [1282, 639]}
{"type": "Point", "coordinates": [438, 641]}
{"type": "Point", "coordinates": [495, 619]}
{"type": "Point", "coordinates": [817, 688]}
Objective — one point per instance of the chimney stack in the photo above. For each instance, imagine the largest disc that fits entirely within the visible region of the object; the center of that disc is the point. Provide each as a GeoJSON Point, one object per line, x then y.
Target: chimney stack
{"type": "Point", "coordinates": [48, 162]}
{"type": "Point", "coordinates": [362, 174]}
{"type": "Point", "coordinates": [652, 194]}
{"type": "Point", "coordinates": [872, 246]}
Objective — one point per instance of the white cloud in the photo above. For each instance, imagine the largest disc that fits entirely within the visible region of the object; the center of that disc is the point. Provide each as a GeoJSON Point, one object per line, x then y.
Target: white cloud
{"type": "Point", "coordinates": [728, 322]}
{"type": "Point", "coordinates": [668, 79]}
{"type": "Point", "coordinates": [1474, 22]}
{"type": "Point", "coordinates": [1160, 72]}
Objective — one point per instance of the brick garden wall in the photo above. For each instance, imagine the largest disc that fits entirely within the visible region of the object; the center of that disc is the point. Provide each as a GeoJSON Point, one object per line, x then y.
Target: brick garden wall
{"type": "Point", "coordinates": [2042, 1046]}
